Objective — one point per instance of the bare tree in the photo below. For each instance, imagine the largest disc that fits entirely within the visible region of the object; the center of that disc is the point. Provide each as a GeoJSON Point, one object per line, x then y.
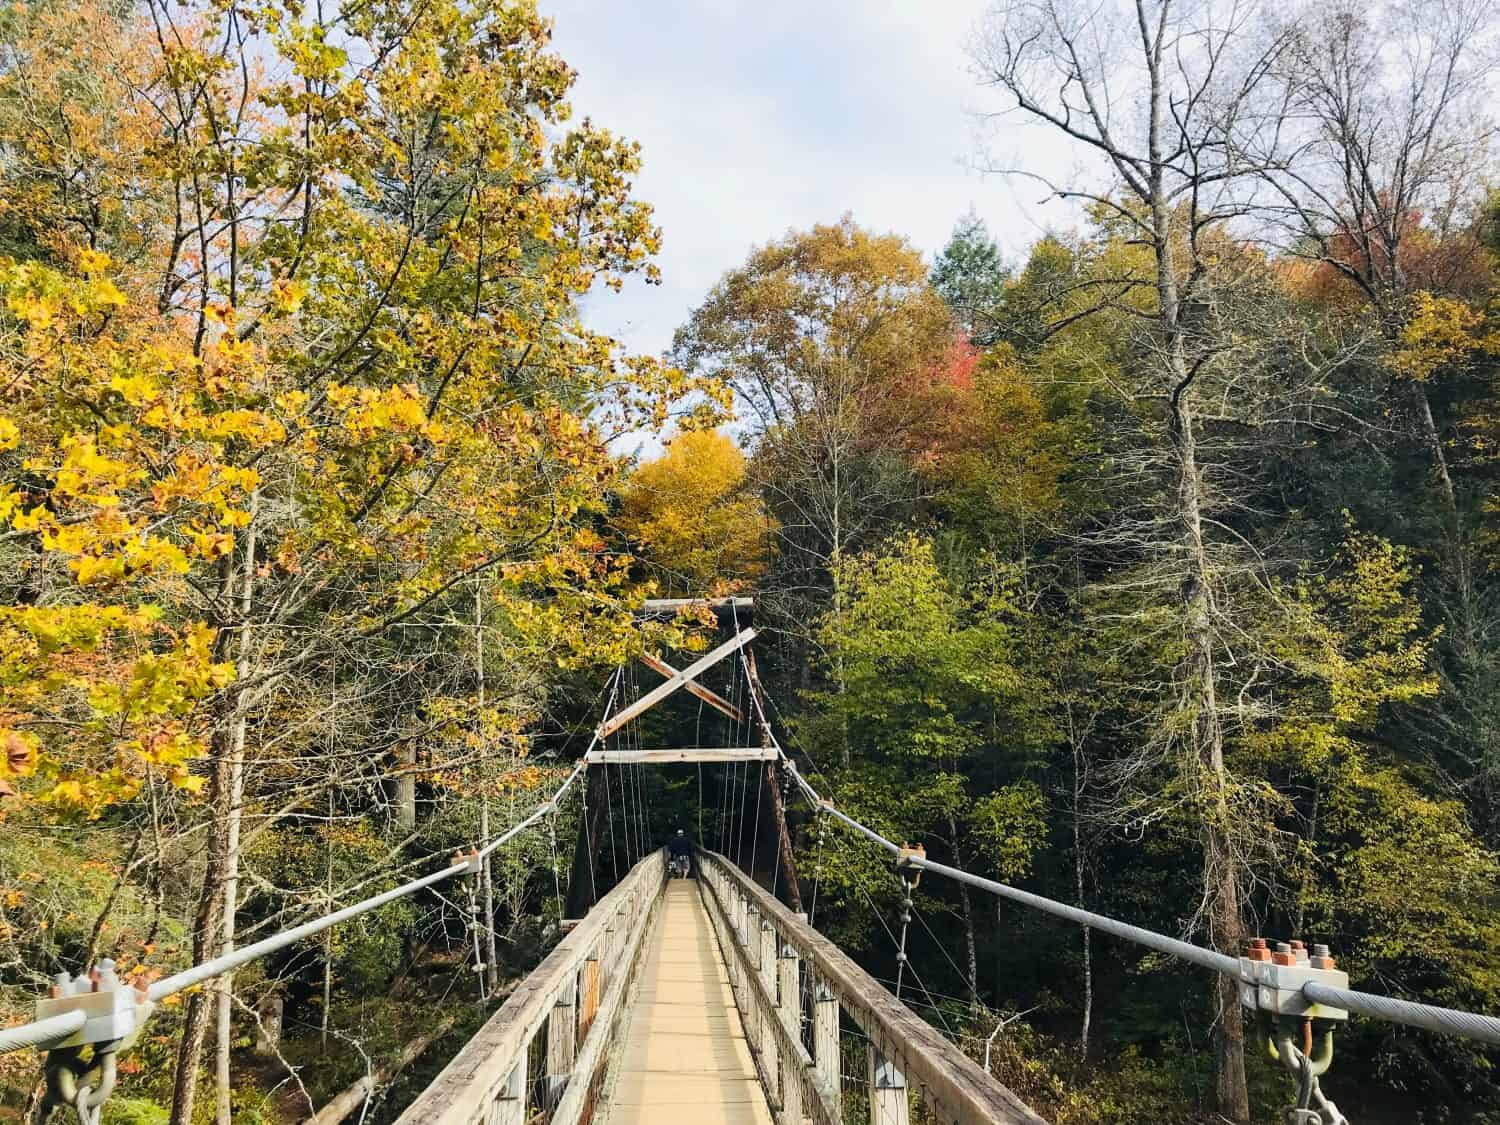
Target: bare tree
{"type": "Point", "coordinates": [1391, 107]}
{"type": "Point", "coordinates": [1178, 101]}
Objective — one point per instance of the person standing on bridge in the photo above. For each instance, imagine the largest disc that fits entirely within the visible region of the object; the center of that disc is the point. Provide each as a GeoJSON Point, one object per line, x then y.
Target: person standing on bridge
{"type": "Point", "coordinates": [680, 848]}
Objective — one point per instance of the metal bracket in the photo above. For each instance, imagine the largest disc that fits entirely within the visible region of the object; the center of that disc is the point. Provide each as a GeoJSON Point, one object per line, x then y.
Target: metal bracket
{"type": "Point", "coordinates": [1272, 982]}
{"type": "Point", "coordinates": [911, 875]}
{"type": "Point", "coordinates": [473, 865]}
{"type": "Point", "coordinates": [115, 1012]}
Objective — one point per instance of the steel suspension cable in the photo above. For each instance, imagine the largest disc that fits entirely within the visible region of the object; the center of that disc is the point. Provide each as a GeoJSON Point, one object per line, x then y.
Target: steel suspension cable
{"type": "Point", "coordinates": [45, 1034]}
{"type": "Point", "coordinates": [1431, 1017]}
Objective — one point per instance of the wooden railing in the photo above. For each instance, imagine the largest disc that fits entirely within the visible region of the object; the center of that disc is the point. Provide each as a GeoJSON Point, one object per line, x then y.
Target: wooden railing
{"type": "Point", "coordinates": [542, 1055]}
{"type": "Point", "coordinates": [794, 988]}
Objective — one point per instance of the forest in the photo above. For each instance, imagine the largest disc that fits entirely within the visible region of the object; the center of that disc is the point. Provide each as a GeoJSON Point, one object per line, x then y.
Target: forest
{"type": "Point", "coordinates": [1155, 569]}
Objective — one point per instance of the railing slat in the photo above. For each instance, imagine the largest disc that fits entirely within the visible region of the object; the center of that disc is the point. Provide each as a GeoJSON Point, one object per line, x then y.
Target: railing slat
{"type": "Point", "coordinates": [958, 1086]}
{"type": "Point", "coordinates": [595, 957]}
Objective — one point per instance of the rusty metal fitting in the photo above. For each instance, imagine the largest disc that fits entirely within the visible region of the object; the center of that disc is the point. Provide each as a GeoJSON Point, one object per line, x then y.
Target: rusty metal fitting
{"type": "Point", "coordinates": [1284, 954]}
{"type": "Point", "coordinates": [909, 852]}
{"type": "Point", "coordinates": [1258, 950]}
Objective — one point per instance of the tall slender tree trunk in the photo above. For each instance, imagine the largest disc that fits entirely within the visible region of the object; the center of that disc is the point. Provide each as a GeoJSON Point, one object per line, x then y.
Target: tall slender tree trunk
{"type": "Point", "coordinates": [487, 873]}
{"type": "Point", "coordinates": [223, 1084]}
{"type": "Point", "coordinates": [1209, 779]}
{"type": "Point", "coordinates": [1080, 865]}
{"type": "Point", "coordinates": [220, 877]}
{"type": "Point", "coordinates": [971, 965]}
{"type": "Point", "coordinates": [1203, 764]}
{"type": "Point", "coordinates": [205, 940]}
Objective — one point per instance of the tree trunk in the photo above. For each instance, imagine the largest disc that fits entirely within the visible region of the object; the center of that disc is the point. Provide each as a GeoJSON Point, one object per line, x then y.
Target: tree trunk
{"type": "Point", "coordinates": [226, 791]}
{"type": "Point", "coordinates": [487, 872]}
{"type": "Point", "coordinates": [487, 905]}
{"type": "Point", "coordinates": [971, 965]}
{"type": "Point", "coordinates": [233, 818]}
{"type": "Point", "coordinates": [205, 942]}
{"type": "Point", "coordinates": [355, 1096]}
{"type": "Point", "coordinates": [1087, 934]}
{"type": "Point", "coordinates": [1208, 777]}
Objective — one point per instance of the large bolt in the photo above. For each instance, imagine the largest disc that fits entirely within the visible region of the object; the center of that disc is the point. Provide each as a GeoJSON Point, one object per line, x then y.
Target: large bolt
{"type": "Point", "coordinates": [1321, 958]}
{"type": "Point", "coordinates": [1257, 950]}
{"type": "Point", "coordinates": [1284, 954]}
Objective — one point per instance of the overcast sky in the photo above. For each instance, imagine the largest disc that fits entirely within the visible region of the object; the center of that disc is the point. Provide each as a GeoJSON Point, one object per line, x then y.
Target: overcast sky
{"type": "Point", "coordinates": [760, 116]}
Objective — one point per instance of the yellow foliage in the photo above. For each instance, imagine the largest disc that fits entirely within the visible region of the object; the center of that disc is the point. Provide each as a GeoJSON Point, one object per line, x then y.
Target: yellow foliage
{"type": "Point", "coordinates": [692, 517]}
{"type": "Point", "coordinates": [1440, 331]}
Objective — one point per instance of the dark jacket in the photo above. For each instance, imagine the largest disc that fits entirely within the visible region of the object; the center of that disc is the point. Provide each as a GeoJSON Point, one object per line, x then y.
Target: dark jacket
{"type": "Point", "coordinates": [680, 846]}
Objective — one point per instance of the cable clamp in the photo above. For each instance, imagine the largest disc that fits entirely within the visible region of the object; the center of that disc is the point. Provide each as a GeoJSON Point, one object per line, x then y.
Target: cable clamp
{"type": "Point", "coordinates": [908, 852]}
{"type": "Point", "coordinates": [470, 860]}
{"type": "Point", "coordinates": [1272, 981]}
{"type": "Point", "coordinates": [112, 1008]}
{"type": "Point", "coordinates": [81, 1070]}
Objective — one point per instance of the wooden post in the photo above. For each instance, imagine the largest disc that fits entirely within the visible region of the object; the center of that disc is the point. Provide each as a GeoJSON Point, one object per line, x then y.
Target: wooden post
{"type": "Point", "coordinates": [268, 1014]}
{"type": "Point", "coordinates": [789, 988]}
{"type": "Point", "coordinates": [731, 905]}
{"type": "Point", "coordinates": [751, 941]}
{"type": "Point", "coordinates": [770, 1047]}
{"type": "Point", "coordinates": [826, 1041]}
{"type": "Point", "coordinates": [588, 1005]}
{"type": "Point", "coordinates": [889, 1104]}
{"type": "Point", "coordinates": [562, 1040]}
{"type": "Point", "coordinates": [510, 1099]}
{"type": "Point", "coordinates": [405, 800]}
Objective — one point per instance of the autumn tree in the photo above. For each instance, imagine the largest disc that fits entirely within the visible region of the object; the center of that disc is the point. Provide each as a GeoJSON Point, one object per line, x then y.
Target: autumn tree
{"type": "Point", "coordinates": [693, 516]}
{"type": "Point", "coordinates": [828, 338]}
{"type": "Point", "coordinates": [1392, 107]}
{"type": "Point", "coordinates": [1175, 160]}
{"type": "Point", "coordinates": [293, 361]}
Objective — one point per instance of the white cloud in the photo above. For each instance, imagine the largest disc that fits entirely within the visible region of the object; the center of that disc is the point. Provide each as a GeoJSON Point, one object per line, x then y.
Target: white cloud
{"type": "Point", "coordinates": [759, 117]}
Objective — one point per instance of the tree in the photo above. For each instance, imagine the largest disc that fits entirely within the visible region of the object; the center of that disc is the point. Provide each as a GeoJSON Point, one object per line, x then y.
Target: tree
{"type": "Point", "coordinates": [830, 339]}
{"type": "Point", "coordinates": [971, 276]}
{"type": "Point", "coordinates": [927, 672]}
{"type": "Point", "coordinates": [692, 516]}
{"type": "Point", "coordinates": [294, 362]}
{"type": "Point", "coordinates": [1178, 156]}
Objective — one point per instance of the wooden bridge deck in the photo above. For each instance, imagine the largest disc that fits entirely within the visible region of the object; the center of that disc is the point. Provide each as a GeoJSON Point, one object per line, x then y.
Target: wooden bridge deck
{"type": "Point", "coordinates": [683, 1055]}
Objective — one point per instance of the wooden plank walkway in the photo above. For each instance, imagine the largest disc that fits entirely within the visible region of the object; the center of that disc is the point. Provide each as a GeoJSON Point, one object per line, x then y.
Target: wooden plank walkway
{"type": "Point", "coordinates": [683, 1056]}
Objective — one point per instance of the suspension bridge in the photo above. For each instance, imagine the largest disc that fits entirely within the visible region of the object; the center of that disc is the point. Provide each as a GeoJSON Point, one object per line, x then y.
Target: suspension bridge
{"type": "Point", "coordinates": [713, 998]}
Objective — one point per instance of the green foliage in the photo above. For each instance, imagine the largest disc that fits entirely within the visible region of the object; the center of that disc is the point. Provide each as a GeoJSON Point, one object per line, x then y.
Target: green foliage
{"type": "Point", "coordinates": [133, 1111]}
{"type": "Point", "coordinates": [970, 274]}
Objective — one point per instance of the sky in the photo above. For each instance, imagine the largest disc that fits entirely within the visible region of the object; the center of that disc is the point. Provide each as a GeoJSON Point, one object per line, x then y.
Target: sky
{"type": "Point", "coordinates": [757, 117]}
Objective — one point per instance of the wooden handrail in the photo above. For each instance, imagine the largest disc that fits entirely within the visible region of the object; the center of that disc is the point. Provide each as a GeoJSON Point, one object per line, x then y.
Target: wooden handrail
{"type": "Point", "coordinates": [585, 977]}
{"type": "Point", "coordinates": [905, 1048]}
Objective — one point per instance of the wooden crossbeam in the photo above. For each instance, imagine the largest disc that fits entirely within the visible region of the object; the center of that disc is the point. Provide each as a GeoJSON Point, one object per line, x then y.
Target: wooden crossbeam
{"type": "Point", "coordinates": [713, 699]}
{"type": "Point", "coordinates": [683, 754]}
{"type": "Point", "coordinates": [680, 679]}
